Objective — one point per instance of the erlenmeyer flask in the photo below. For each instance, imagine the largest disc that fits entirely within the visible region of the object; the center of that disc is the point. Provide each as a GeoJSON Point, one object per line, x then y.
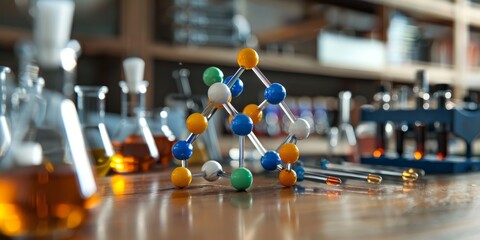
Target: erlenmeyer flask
{"type": "Point", "coordinates": [91, 110]}
{"type": "Point", "coordinates": [54, 51]}
{"type": "Point", "coordinates": [133, 142]}
{"type": "Point", "coordinates": [47, 182]}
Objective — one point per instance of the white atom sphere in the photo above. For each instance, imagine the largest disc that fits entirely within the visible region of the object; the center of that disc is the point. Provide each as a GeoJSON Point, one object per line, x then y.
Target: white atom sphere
{"type": "Point", "coordinates": [300, 129]}
{"type": "Point", "coordinates": [211, 169]}
{"type": "Point", "coordinates": [219, 93]}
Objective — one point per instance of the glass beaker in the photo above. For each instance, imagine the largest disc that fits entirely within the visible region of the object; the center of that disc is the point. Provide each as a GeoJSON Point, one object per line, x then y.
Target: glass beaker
{"type": "Point", "coordinates": [133, 142]}
{"type": "Point", "coordinates": [91, 110]}
{"type": "Point", "coordinates": [47, 182]}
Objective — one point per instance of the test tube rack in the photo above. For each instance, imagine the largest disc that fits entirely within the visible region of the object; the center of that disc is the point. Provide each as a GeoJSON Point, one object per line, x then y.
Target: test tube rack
{"type": "Point", "coordinates": [464, 124]}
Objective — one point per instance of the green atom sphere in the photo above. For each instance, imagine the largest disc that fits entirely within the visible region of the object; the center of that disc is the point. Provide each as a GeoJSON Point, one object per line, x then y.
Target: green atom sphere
{"type": "Point", "coordinates": [212, 75]}
{"type": "Point", "coordinates": [241, 179]}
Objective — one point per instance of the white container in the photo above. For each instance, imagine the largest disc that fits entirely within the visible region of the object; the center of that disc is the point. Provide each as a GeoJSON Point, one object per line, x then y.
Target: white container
{"type": "Point", "coordinates": [347, 51]}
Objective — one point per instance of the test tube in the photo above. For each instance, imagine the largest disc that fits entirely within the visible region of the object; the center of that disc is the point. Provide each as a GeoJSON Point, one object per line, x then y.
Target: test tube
{"type": "Point", "coordinates": [369, 177]}
{"type": "Point", "coordinates": [410, 174]}
{"type": "Point", "coordinates": [383, 100]}
{"type": "Point", "coordinates": [302, 174]}
{"type": "Point", "coordinates": [442, 95]}
{"type": "Point", "coordinates": [402, 127]}
{"type": "Point", "coordinates": [421, 90]}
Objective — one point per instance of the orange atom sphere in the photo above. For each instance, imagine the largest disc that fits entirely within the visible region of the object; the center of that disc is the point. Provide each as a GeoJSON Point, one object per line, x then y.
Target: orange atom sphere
{"type": "Point", "coordinates": [287, 178]}
{"type": "Point", "coordinates": [247, 58]}
{"type": "Point", "coordinates": [289, 153]}
{"type": "Point", "coordinates": [196, 123]}
{"type": "Point", "coordinates": [253, 112]}
{"type": "Point", "coordinates": [181, 177]}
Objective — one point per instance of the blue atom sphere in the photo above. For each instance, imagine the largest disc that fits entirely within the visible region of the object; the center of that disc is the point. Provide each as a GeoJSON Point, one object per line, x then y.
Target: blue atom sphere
{"type": "Point", "coordinates": [241, 125]}
{"type": "Point", "coordinates": [182, 150]}
{"type": "Point", "coordinates": [275, 94]}
{"type": "Point", "coordinates": [270, 160]}
{"type": "Point", "coordinates": [300, 171]}
{"type": "Point", "coordinates": [237, 88]}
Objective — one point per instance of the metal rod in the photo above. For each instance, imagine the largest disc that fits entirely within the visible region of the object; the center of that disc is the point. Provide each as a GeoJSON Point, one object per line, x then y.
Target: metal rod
{"type": "Point", "coordinates": [258, 145]}
{"type": "Point", "coordinates": [287, 139]}
{"type": "Point", "coordinates": [207, 110]}
{"type": "Point", "coordinates": [263, 105]}
{"type": "Point", "coordinates": [198, 174]}
{"type": "Point", "coordinates": [235, 77]}
{"type": "Point", "coordinates": [241, 157]}
{"type": "Point", "coordinates": [262, 77]}
{"type": "Point", "coordinates": [191, 138]}
{"type": "Point", "coordinates": [288, 112]}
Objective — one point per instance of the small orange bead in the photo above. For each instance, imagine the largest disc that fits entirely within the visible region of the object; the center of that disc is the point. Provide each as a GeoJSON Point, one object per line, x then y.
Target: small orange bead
{"type": "Point", "coordinates": [247, 58]}
{"type": "Point", "coordinates": [181, 177]}
{"type": "Point", "coordinates": [197, 123]}
{"type": "Point", "coordinates": [287, 178]}
{"type": "Point", "coordinates": [289, 153]}
{"type": "Point", "coordinates": [230, 118]}
{"type": "Point", "coordinates": [253, 112]}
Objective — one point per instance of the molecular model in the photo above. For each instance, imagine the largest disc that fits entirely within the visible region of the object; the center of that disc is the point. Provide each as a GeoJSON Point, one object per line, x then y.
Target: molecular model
{"type": "Point", "coordinates": [220, 93]}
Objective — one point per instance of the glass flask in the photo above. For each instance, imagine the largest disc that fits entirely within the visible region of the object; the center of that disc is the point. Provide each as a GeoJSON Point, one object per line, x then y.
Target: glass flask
{"type": "Point", "coordinates": [91, 110]}
{"type": "Point", "coordinates": [133, 142]}
{"type": "Point", "coordinates": [54, 51]}
{"type": "Point", "coordinates": [47, 183]}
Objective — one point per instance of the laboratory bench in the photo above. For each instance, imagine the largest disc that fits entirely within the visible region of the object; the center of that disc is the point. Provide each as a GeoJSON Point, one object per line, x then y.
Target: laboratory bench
{"type": "Point", "coordinates": [148, 206]}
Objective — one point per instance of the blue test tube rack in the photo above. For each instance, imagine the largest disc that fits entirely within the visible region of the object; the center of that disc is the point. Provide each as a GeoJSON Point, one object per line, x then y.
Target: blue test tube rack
{"type": "Point", "coordinates": [464, 124]}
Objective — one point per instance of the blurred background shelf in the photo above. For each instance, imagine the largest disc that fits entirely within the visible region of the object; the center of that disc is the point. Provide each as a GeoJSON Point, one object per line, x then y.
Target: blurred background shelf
{"type": "Point", "coordinates": [287, 41]}
{"type": "Point", "coordinates": [436, 8]}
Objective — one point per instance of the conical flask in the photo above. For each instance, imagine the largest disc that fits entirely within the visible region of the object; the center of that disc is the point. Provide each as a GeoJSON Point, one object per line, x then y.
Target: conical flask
{"type": "Point", "coordinates": [91, 110]}
{"type": "Point", "coordinates": [133, 142]}
{"type": "Point", "coordinates": [54, 51]}
{"type": "Point", "coordinates": [47, 181]}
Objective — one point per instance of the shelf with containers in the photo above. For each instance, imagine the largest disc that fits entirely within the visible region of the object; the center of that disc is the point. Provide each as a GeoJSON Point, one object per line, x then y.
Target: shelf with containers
{"type": "Point", "coordinates": [129, 27]}
{"type": "Point", "coordinates": [126, 38]}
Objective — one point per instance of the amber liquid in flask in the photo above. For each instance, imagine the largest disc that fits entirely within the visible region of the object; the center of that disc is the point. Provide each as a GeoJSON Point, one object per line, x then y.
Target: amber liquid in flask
{"type": "Point", "coordinates": [135, 148]}
{"type": "Point", "coordinates": [45, 195]}
{"type": "Point", "coordinates": [41, 200]}
{"type": "Point", "coordinates": [164, 145]}
{"type": "Point", "coordinates": [132, 155]}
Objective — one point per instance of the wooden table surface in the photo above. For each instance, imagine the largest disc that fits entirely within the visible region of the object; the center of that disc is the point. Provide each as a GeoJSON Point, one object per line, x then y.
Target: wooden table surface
{"type": "Point", "coordinates": [146, 206]}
